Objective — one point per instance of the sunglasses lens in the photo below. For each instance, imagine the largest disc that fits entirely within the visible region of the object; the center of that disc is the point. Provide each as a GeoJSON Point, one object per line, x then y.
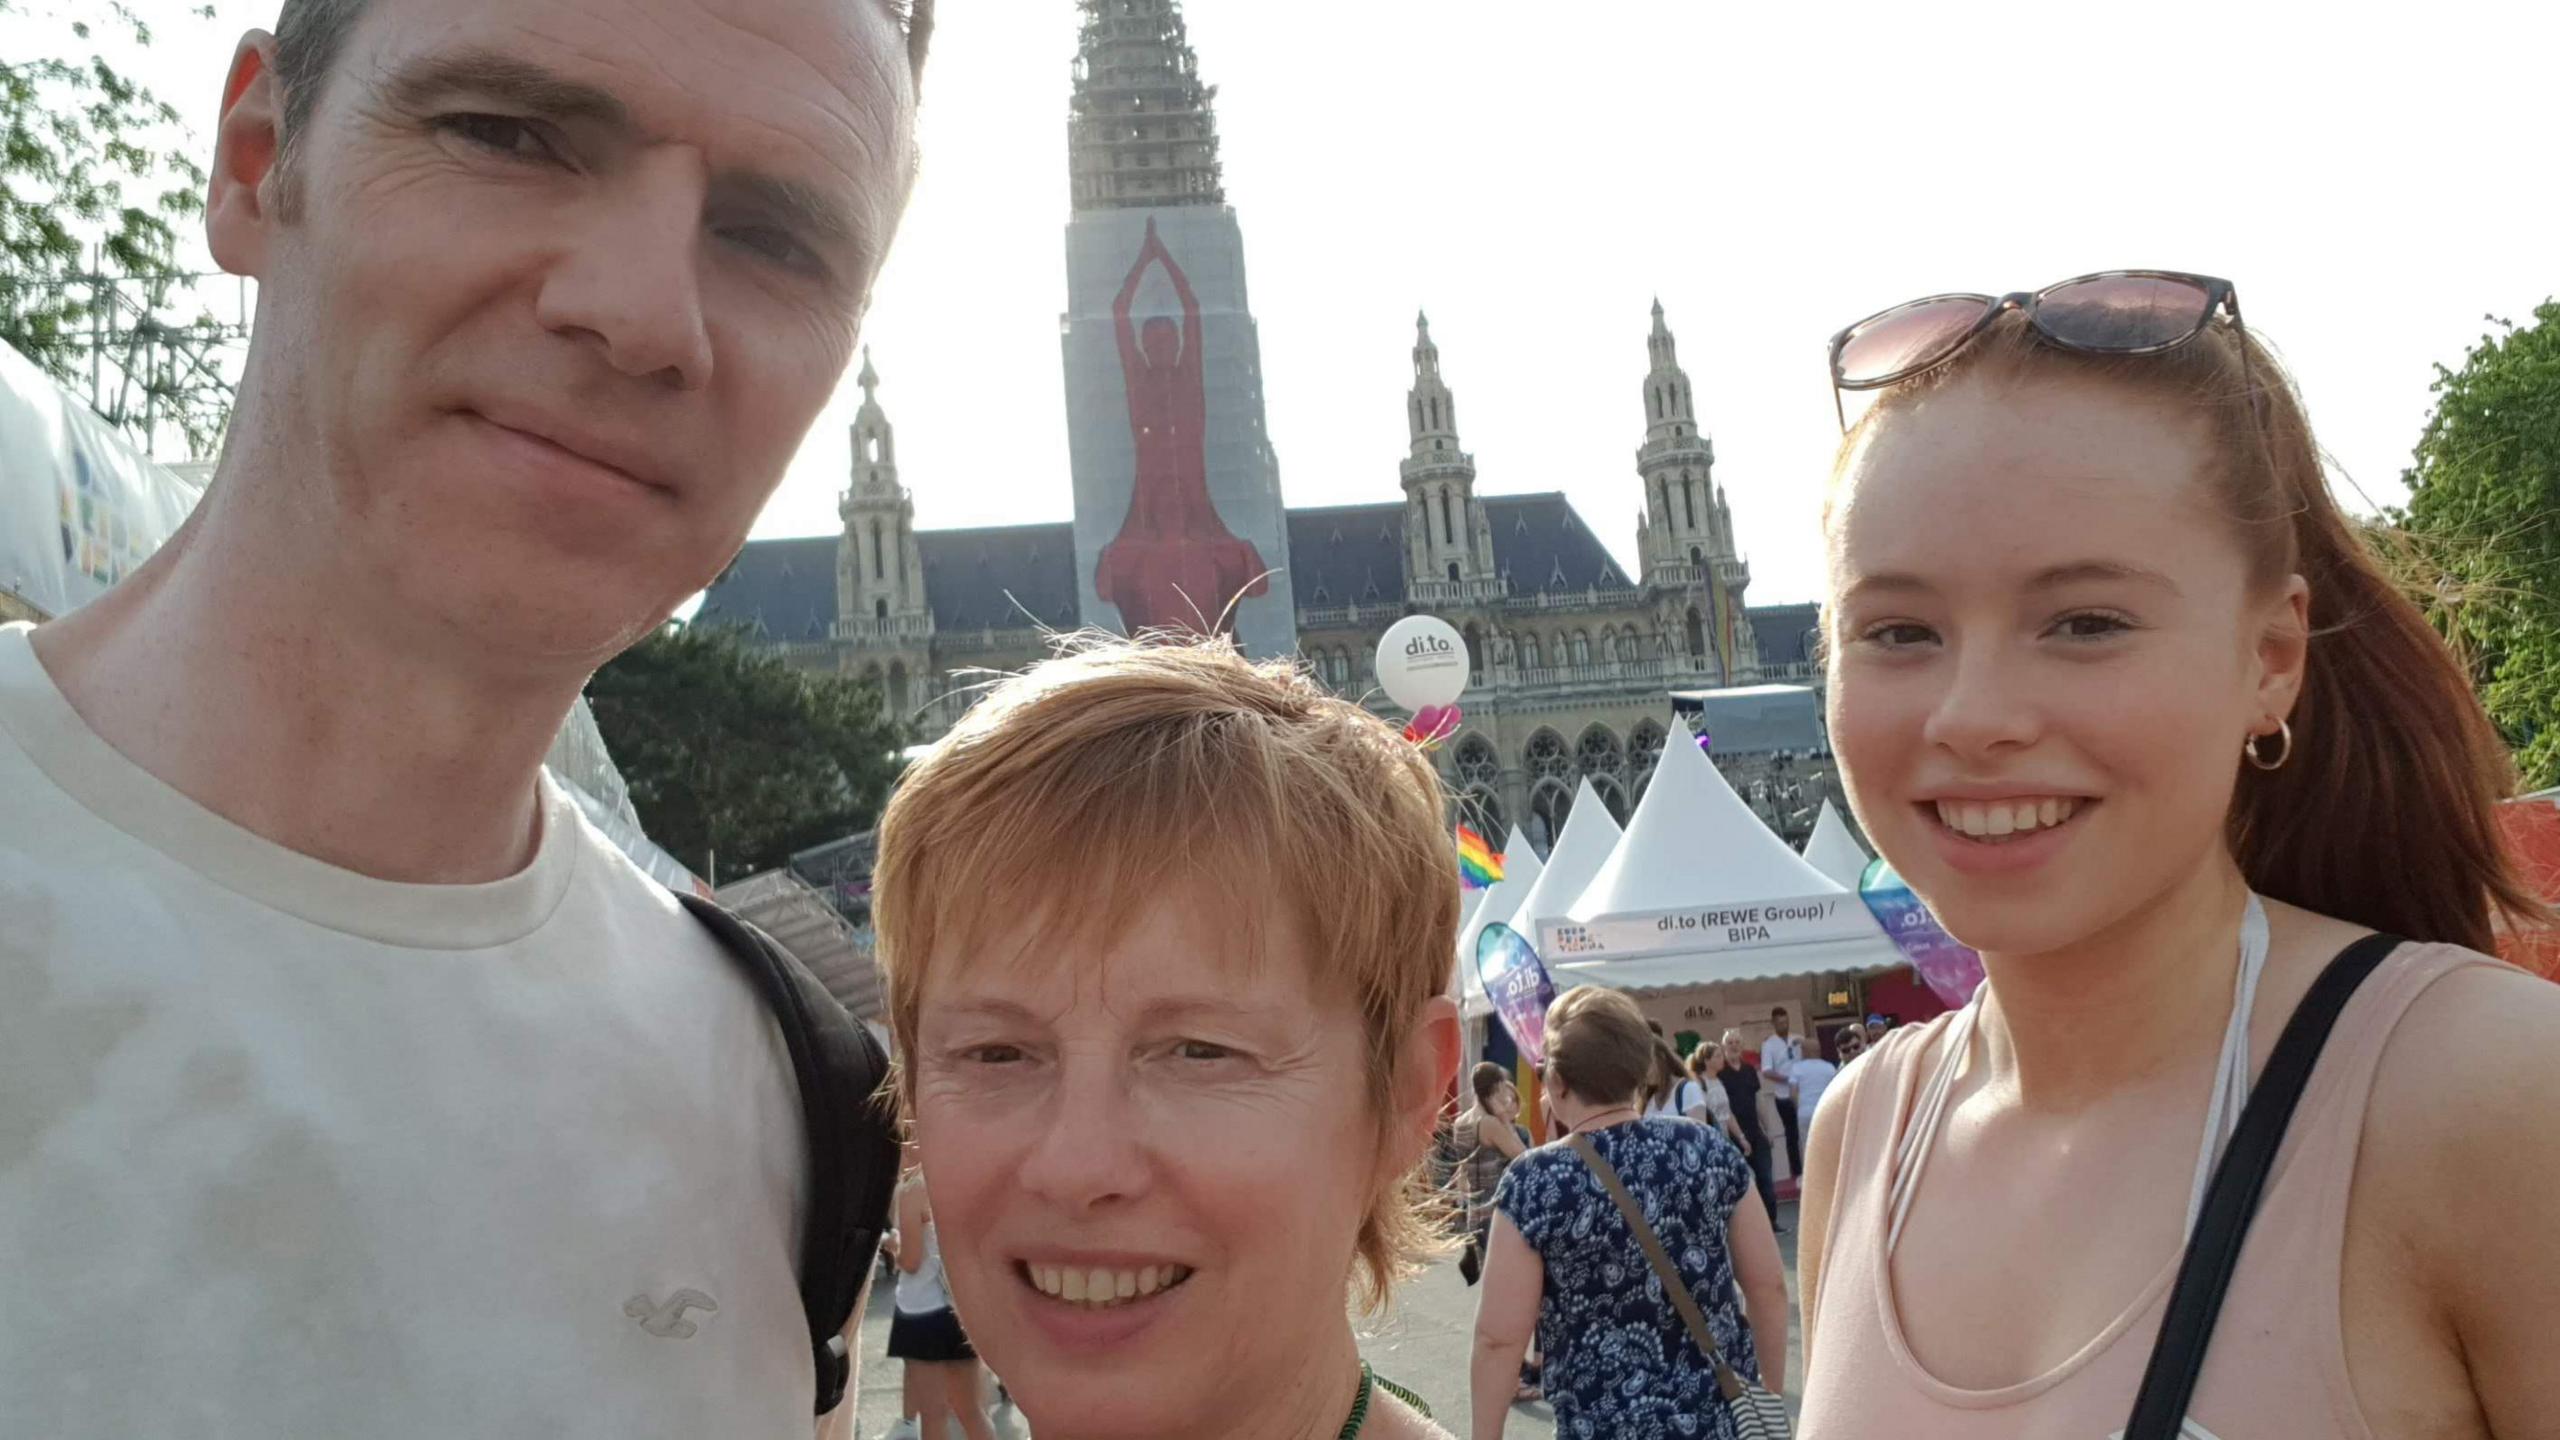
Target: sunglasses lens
{"type": "Point", "coordinates": [1908, 337]}
{"type": "Point", "coordinates": [2124, 312]}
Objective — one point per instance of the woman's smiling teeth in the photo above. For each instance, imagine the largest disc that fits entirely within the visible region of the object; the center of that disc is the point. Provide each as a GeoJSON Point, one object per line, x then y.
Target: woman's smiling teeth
{"type": "Point", "coordinates": [1102, 1288]}
{"type": "Point", "coordinates": [2001, 819]}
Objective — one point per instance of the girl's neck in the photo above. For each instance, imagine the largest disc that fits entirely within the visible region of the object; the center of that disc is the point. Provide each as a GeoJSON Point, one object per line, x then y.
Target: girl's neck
{"type": "Point", "coordinates": [2145, 996]}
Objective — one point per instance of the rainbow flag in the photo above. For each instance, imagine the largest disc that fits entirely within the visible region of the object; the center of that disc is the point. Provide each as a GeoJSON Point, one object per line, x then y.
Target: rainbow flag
{"type": "Point", "coordinates": [1478, 864]}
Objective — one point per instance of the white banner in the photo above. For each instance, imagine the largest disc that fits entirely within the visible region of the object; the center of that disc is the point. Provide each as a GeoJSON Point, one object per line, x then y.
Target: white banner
{"type": "Point", "coordinates": [1837, 915]}
{"type": "Point", "coordinates": [79, 505]}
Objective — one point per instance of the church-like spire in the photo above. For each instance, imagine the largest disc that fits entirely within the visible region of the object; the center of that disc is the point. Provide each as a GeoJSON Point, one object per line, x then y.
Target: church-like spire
{"type": "Point", "coordinates": [1448, 541]}
{"type": "Point", "coordinates": [1141, 130]}
{"type": "Point", "coordinates": [875, 444]}
{"type": "Point", "coordinates": [879, 570]}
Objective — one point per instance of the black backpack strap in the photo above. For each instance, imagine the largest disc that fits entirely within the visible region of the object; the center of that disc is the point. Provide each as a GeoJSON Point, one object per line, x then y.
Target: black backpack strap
{"type": "Point", "coordinates": [2231, 1201]}
{"type": "Point", "coordinates": [853, 1141]}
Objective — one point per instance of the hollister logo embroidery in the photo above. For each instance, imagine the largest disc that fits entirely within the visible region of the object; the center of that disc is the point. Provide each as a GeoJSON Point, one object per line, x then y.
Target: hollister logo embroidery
{"type": "Point", "coordinates": [667, 1321]}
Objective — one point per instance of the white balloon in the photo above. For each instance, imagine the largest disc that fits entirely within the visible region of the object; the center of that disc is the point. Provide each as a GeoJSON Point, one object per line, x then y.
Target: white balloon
{"type": "Point", "coordinates": [1422, 661]}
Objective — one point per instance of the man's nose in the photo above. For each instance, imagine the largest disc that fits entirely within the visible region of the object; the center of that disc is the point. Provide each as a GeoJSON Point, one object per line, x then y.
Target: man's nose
{"type": "Point", "coordinates": [629, 281]}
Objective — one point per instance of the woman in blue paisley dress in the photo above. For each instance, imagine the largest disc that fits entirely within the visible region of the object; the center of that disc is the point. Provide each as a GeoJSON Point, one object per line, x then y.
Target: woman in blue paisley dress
{"type": "Point", "coordinates": [1620, 1365]}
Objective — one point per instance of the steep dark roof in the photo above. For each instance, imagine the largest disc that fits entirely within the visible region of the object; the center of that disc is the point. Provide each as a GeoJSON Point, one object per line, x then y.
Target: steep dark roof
{"type": "Point", "coordinates": [969, 575]}
{"type": "Point", "coordinates": [1354, 554]}
{"type": "Point", "coordinates": [987, 578]}
{"type": "Point", "coordinates": [781, 589]}
{"type": "Point", "coordinates": [1784, 632]}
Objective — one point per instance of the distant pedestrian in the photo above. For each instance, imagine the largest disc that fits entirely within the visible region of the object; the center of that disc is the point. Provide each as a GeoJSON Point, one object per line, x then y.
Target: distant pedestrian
{"type": "Point", "coordinates": [1778, 1056]}
{"type": "Point", "coordinates": [1813, 1075]}
{"type": "Point", "coordinates": [1564, 1262]}
{"type": "Point", "coordinates": [1709, 1104]}
{"type": "Point", "coordinates": [942, 1374]}
{"type": "Point", "coordinates": [1742, 1091]}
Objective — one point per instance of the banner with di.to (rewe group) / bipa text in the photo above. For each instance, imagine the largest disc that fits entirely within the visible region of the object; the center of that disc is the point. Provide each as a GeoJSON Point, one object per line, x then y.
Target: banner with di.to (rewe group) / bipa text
{"type": "Point", "coordinates": [1741, 925]}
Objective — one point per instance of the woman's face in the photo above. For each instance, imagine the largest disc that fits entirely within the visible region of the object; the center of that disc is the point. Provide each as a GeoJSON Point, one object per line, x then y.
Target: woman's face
{"type": "Point", "coordinates": [1155, 1120]}
{"type": "Point", "coordinates": [2046, 654]}
{"type": "Point", "coordinates": [1506, 1100]}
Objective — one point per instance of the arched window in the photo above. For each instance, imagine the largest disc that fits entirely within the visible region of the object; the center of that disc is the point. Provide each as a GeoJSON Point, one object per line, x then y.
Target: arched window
{"type": "Point", "coordinates": [1529, 657]}
{"type": "Point", "coordinates": [1475, 646]}
{"type": "Point", "coordinates": [879, 567]}
{"type": "Point", "coordinates": [1697, 557]}
{"type": "Point", "coordinates": [879, 609]}
{"type": "Point", "coordinates": [1579, 647]}
{"type": "Point", "coordinates": [1448, 525]}
{"type": "Point", "coordinates": [1477, 766]}
{"type": "Point", "coordinates": [1453, 572]}
{"type": "Point", "coordinates": [1435, 413]}
{"type": "Point", "coordinates": [1697, 635]}
{"type": "Point", "coordinates": [1689, 499]}
{"type": "Point", "coordinates": [1608, 645]}
{"type": "Point", "coordinates": [1644, 751]}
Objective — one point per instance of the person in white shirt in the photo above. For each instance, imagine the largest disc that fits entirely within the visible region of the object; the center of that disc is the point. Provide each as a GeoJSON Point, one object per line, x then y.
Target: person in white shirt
{"type": "Point", "coordinates": [350, 1082]}
{"type": "Point", "coordinates": [1778, 1056]}
{"type": "Point", "coordinates": [1812, 1075]}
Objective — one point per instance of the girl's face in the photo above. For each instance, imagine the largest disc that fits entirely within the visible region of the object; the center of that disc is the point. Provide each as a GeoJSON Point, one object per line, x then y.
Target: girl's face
{"type": "Point", "coordinates": [2046, 653]}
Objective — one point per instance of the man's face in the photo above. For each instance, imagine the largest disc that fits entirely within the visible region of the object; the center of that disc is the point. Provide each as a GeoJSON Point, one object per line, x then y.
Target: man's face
{"type": "Point", "coordinates": [1779, 1020]}
{"type": "Point", "coordinates": [553, 290]}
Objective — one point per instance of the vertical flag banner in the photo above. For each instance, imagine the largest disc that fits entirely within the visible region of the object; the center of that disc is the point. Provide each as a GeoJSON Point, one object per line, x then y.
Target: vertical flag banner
{"type": "Point", "coordinates": [1942, 962]}
{"type": "Point", "coordinates": [1478, 865]}
{"type": "Point", "coordinates": [1518, 985]}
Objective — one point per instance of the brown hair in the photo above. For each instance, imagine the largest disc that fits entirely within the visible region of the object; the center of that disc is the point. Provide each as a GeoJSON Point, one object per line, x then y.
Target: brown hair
{"type": "Point", "coordinates": [1697, 1064]}
{"type": "Point", "coordinates": [1487, 1078]}
{"type": "Point", "coordinates": [1118, 772]}
{"type": "Point", "coordinates": [1597, 1047]}
{"type": "Point", "coordinates": [2384, 814]}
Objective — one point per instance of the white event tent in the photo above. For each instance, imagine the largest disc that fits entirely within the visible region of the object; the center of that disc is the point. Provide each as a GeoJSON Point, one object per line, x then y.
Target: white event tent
{"type": "Point", "coordinates": [1496, 902]}
{"type": "Point", "coordinates": [1701, 892]}
{"type": "Point", "coordinates": [1835, 852]}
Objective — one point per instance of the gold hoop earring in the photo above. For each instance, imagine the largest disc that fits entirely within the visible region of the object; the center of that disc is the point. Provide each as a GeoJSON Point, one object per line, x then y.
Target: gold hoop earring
{"type": "Point", "coordinates": [2249, 748]}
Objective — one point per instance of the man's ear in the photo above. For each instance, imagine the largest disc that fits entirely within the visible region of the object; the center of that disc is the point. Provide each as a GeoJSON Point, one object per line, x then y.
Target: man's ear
{"type": "Point", "coordinates": [247, 191]}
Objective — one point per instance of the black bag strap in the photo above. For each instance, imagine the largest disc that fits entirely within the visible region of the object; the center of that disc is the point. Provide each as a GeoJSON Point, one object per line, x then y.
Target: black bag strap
{"type": "Point", "coordinates": [853, 1141]}
{"type": "Point", "coordinates": [2231, 1201]}
{"type": "Point", "coordinates": [1673, 1286]}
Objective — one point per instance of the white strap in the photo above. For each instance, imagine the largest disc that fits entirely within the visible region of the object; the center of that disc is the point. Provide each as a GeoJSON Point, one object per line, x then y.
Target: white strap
{"type": "Point", "coordinates": [2222, 1112]}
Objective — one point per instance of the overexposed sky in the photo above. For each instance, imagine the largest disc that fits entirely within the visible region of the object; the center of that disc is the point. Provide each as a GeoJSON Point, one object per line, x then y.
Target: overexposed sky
{"type": "Point", "coordinates": [1534, 174]}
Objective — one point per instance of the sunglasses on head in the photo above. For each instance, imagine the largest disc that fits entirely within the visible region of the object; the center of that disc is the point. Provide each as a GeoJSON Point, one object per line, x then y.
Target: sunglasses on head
{"type": "Point", "coordinates": [2114, 312]}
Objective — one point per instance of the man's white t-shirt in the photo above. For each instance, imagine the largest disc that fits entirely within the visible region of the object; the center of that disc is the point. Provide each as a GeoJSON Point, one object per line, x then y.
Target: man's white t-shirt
{"type": "Point", "coordinates": [1777, 1054]}
{"type": "Point", "coordinates": [289, 1151]}
{"type": "Point", "coordinates": [1813, 1075]}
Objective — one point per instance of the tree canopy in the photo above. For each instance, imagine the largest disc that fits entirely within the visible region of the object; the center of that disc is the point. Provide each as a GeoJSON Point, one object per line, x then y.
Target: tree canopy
{"type": "Point", "coordinates": [95, 181]}
{"type": "Point", "coordinates": [728, 750]}
{"type": "Point", "coordinates": [2484, 502]}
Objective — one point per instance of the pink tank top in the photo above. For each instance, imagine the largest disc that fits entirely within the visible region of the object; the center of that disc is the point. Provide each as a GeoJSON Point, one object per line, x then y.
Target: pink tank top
{"type": "Point", "coordinates": [2278, 1363]}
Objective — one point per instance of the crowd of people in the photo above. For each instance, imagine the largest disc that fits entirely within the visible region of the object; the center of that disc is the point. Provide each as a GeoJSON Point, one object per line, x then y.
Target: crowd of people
{"type": "Point", "coordinates": [352, 1083]}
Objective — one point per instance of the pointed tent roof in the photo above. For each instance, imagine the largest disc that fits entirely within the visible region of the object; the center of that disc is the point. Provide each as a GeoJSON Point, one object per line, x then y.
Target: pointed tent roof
{"type": "Point", "coordinates": [1590, 839]}
{"type": "Point", "coordinates": [1692, 842]}
{"type": "Point", "coordinates": [1832, 850]}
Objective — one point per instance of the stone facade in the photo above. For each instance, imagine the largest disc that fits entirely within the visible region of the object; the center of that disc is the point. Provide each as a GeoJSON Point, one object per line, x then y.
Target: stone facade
{"type": "Point", "coordinates": [1574, 657]}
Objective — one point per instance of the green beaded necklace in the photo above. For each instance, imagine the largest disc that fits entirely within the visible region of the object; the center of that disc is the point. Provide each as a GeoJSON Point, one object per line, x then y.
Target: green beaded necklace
{"type": "Point", "coordinates": [1360, 1404]}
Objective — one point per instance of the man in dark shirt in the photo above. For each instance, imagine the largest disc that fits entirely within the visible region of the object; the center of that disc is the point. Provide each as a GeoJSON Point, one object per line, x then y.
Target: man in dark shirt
{"type": "Point", "coordinates": [1742, 1086]}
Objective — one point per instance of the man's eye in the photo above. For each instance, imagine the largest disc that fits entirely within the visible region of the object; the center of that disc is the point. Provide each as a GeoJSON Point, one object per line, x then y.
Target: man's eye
{"type": "Point", "coordinates": [504, 134]}
{"type": "Point", "coordinates": [992, 1054]}
{"type": "Point", "coordinates": [778, 246]}
{"type": "Point", "coordinates": [1201, 1050]}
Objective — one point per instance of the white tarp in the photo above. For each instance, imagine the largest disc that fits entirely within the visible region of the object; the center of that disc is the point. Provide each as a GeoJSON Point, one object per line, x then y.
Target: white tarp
{"type": "Point", "coordinates": [80, 507]}
{"type": "Point", "coordinates": [1590, 837]}
{"type": "Point", "coordinates": [1835, 852]}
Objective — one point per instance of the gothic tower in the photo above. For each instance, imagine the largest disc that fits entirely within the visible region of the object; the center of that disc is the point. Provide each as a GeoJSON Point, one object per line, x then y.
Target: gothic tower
{"type": "Point", "coordinates": [1448, 541]}
{"type": "Point", "coordinates": [1177, 491]}
{"type": "Point", "coordinates": [1693, 571]}
{"type": "Point", "coordinates": [880, 600]}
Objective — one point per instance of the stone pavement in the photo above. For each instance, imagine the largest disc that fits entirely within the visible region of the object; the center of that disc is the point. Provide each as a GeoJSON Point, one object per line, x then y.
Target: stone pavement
{"type": "Point", "coordinates": [1421, 1344]}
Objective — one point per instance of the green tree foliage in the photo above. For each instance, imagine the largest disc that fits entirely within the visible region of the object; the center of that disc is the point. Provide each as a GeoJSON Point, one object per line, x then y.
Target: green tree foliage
{"type": "Point", "coordinates": [2484, 506]}
{"type": "Point", "coordinates": [727, 749]}
{"type": "Point", "coordinates": [95, 180]}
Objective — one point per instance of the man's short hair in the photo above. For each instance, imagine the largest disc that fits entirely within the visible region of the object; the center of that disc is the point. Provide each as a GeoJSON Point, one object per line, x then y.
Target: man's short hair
{"type": "Point", "coordinates": [310, 35]}
{"type": "Point", "coordinates": [1096, 784]}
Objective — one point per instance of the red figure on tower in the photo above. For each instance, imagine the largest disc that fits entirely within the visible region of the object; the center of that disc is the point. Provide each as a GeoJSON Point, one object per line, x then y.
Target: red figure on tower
{"type": "Point", "coordinates": [1174, 563]}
